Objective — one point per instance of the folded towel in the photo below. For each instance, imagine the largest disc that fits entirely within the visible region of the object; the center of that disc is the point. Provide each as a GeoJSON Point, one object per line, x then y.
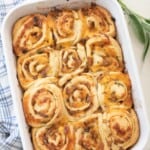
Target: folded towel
{"type": "Point", "coordinates": [9, 132]}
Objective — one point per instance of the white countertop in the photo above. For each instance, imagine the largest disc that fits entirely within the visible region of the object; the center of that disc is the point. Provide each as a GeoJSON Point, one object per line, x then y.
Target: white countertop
{"type": "Point", "coordinates": [141, 7]}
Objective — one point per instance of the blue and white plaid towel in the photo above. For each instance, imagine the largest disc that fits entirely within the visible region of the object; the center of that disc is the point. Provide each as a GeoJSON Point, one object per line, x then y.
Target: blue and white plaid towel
{"type": "Point", "coordinates": [9, 133]}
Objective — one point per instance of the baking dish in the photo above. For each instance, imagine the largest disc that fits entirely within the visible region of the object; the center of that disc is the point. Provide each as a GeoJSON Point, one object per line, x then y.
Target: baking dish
{"type": "Point", "coordinates": [43, 6]}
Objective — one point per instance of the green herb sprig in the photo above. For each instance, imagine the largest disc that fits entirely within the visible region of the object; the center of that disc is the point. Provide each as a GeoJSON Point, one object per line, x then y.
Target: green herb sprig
{"type": "Point", "coordinates": [141, 27]}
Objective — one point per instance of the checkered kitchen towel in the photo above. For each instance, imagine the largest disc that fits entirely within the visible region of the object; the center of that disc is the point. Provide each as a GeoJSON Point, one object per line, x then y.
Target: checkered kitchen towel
{"type": "Point", "coordinates": [9, 133]}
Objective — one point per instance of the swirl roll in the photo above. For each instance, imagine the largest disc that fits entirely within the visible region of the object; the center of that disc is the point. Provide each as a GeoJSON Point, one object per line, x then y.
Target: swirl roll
{"type": "Point", "coordinates": [72, 62]}
{"type": "Point", "coordinates": [104, 53]}
{"type": "Point", "coordinates": [67, 27]}
{"type": "Point", "coordinates": [97, 20]}
{"type": "Point", "coordinates": [114, 89]}
{"type": "Point", "coordinates": [80, 98]}
{"type": "Point", "coordinates": [31, 32]}
{"type": "Point", "coordinates": [120, 128]}
{"type": "Point", "coordinates": [42, 102]}
{"type": "Point", "coordinates": [55, 137]}
{"type": "Point", "coordinates": [87, 134]}
{"type": "Point", "coordinates": [37, 64]}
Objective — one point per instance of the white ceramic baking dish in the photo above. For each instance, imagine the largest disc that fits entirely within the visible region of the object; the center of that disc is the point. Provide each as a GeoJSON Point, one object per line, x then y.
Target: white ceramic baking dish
{"type": "Point", "coordinates": [44, 6]}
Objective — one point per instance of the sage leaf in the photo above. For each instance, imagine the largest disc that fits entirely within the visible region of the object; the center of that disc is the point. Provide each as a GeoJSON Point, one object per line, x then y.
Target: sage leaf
{"type": "Point", "coordinates": [146, 25]}
{"type": "Point", "coordinates": [146, 46]}
{"type": "Point", "coordinates": [124, 7]}
{"type": "Point", "coordinates": [140, 25]}
{"type": "Point", "coordinates": [147, 20]}
{"type": "Point", "coordinates": [136, 24]}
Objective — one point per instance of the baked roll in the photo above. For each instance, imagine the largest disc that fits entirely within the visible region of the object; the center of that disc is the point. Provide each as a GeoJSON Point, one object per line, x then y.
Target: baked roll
{"type": "Point", "coordinates": [37, 64]}
{"type": "Point", "coordinates": [67, 27]}
{"type": "Point", "coordinates": [72, 62]}
{"type": "Point", "coordinates": [55, 137]}
{"type": "Point", "coordinates": [104, 53]}
{"type": "Point", "coordinates": [88, 135]}
{"type": "Point", "coordinates": [120, 128]}
{"type": "Point", "coordinates": [80, 97]}
{"type": "Point", "coordinates": [114, 89]}
{"type": "Point", "coordinates": [42, 102]}
{"type": "Point", "coordinates": [97, 20]}
{"type": "Point", "coordinates": [31, 32]}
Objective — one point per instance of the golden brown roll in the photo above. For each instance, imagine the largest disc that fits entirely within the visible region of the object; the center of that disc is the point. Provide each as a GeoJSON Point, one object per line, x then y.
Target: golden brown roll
{"type": "Point", "coordinates": [56, 137]}
{"type": "Point", "coordinates": [72, 62]}
{"type": "Point", "coordinates": [87, 134]}
{"type": "Point", "coordinates": [114, 89]}
{"type": "Point", "coordinates": [42, 102]}
{"type": "Point", "coordinates": [31, 32]}
{"type": "Point", "coordinates": [80, 97]}
{"type": "Point", "coordinates": [120, 128]}
{"type": "Point", "coordinates": [97, 20]}
{"type": "Point", "coordinates": [37, 64]}
{"type": "Point", "coordinates": [67, 27]}
{"type": "Point", "coordinates": [104, 53]}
